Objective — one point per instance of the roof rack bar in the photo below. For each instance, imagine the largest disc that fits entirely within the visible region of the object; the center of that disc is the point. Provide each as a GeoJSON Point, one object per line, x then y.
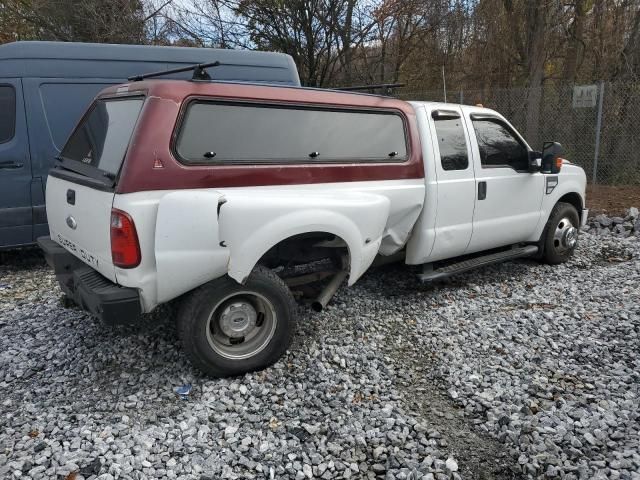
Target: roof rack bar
{"type": "Point", "coordinates": [199, 72]}
{"type": "Point", "coordinates": [372, 87]}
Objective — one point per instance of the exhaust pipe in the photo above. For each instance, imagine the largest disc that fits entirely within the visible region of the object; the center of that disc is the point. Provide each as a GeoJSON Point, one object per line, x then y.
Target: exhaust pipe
{"type": "Point", "coordinates": [328, 292]}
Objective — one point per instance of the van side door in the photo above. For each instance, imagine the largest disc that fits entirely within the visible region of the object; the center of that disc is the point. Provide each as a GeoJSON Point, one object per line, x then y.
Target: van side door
{"type": "Point", "coordinates": [508, 196]}
{"type": "Point", "coordinates": [16, 215]}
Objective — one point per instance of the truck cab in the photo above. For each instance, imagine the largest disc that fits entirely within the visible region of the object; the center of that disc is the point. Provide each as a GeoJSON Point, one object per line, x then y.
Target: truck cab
{"type": "Point", "coordinates": [480, 185]}
{"type": "Point", "coordinates": [224, 197]}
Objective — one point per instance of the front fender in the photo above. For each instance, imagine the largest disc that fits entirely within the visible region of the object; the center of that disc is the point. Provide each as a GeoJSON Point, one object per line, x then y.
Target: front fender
{"type": "Point", "coordinates": [253, 222]}
{"type": "Point", "coordinates": [572, 179]}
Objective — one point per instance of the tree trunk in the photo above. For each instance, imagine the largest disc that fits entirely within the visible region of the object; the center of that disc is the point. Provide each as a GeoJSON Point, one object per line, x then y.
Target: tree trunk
{"type": "Point", "coordinates": [535, 42]}
{"type": "Point", "coordinates": [346, 36]}
{"type": "Point", "coordinates": [576, 45]}
{"type": "Point", "coordinates": [629, 63]}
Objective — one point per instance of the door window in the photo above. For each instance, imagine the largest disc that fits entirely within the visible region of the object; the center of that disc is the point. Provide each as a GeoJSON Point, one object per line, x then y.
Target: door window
{"type": "Point", "coordinates": [452, 144]}
{"type": "Point", "coordinates": [8, 109]}
{"type": "Point", "coordinates": [236, 133]}
{"type": "Point", "coordinates": [499, 147]}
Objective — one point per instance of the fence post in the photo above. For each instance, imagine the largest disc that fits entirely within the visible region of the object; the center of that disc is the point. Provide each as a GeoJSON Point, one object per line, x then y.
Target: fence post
{"type": "Point", "coordinates": [594, 176]}
{"type": "Point", "coordinates": [461, 97]}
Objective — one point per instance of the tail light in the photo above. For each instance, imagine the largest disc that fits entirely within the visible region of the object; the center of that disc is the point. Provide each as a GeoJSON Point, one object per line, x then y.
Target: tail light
{"type": "Point", "coordinates": [125, 247]}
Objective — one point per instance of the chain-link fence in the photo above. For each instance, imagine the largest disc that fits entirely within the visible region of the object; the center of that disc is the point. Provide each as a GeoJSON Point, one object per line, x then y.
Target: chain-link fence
{"type": "Point", "coordinates": [597, 125]}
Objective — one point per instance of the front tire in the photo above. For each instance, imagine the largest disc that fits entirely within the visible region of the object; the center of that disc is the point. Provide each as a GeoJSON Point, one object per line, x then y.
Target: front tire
{"type": "Point", "coordinates": [227, 328]}
{"type": "Point", "coordinates": [561, 234]}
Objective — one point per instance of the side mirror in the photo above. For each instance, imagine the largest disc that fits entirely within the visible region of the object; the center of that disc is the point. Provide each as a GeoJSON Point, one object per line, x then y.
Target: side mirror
{"type": "Point", "coordinates": [551, 161]}
{"type": "Point", "coordinates": [535, 161]}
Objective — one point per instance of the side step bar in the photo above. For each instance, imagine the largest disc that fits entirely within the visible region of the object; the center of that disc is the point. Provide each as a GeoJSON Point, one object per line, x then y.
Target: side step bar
{"type": "Point", "coordinates": [455, 268]}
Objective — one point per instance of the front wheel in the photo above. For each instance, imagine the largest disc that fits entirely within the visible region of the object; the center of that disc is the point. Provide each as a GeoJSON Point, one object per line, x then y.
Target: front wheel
{"type": "Point", "coordinates": [561, 234]}
{"type": "Point", "coordinates": [229, 329]}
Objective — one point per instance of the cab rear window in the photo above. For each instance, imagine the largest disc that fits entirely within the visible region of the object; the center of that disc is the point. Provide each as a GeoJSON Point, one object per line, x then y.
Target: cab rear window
{"type": "Point", "coordinates": [102, 138]}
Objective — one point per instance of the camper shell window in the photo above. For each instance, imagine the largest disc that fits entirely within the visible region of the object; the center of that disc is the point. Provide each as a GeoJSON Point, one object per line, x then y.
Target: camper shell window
{"type": "Point", "coordinates": [228, 133]}
{"type": "Point", "coordinates": [101, 139]}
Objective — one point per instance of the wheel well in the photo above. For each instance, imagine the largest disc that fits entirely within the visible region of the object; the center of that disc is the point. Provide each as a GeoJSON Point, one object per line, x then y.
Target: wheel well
{"type": "Point", "coordinates": [574, 199]}
{"type": "Point", "coordinates": [305, 249]}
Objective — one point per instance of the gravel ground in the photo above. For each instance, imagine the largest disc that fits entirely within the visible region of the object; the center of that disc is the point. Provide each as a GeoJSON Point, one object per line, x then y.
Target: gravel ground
{"type": "Point", "coordinates": [514, 371]}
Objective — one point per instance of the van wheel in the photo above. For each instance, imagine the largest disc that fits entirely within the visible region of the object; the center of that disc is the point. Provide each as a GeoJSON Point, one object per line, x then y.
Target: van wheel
{"type": "Point", "coordinates": [561, 234]}
{"type": "Point", "coordinates": [229, 329]}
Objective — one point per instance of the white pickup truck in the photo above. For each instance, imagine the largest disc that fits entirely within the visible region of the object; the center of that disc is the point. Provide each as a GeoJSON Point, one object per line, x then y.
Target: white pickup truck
{"type": "Point", "coordinates": [225, 196]}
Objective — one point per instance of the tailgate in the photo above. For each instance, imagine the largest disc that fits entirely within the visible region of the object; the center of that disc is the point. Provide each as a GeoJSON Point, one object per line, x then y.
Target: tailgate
{"type": "Point", "coordinates": [79, 220]}
{"type": "Point", "coordinates": [80, 189]}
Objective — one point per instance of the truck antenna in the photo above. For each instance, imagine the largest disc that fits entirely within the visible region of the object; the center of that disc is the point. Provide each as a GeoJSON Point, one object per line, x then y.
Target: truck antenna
{"type": "Point", "coordinates": [199, 72]}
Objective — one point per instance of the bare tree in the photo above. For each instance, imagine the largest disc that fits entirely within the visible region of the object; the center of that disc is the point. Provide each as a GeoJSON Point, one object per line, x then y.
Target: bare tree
{"type": "Point", "coordinates": [482, 44]}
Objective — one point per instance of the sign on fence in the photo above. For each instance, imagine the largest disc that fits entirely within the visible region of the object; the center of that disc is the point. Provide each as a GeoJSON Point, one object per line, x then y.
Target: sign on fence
{"type": "Point", "coordinates": [585, 96]}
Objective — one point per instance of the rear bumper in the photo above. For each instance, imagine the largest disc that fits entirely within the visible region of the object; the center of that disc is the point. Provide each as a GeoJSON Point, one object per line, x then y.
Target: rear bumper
{"type": "Point", "coordinates": [92, 292]}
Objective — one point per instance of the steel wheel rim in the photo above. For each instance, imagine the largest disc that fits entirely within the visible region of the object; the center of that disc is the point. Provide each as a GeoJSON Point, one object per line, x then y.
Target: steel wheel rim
{"type": "Point", "coordinates": [565, 236]}
{"type": "Point", "coordinates": [244, 331]}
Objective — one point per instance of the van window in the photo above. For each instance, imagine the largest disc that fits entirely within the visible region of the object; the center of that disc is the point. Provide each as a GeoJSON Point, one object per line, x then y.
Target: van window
{"type": "Point", "coordinates": [102, 138]}
{"type": "Point", "coordinates": [240, 133]}
{"type": "Point", "coordinates": [499, 147]}
{"type": "Point", "coordinates": [64, 104]}
{"type": "Point", "coordinates": [8, 109]}
{"type": "Point", "coordinates": [452, 144]}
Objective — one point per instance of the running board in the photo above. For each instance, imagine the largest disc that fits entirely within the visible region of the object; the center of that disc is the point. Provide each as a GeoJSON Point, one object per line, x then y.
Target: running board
{"type": "Point", "coordinates": [466, 265]}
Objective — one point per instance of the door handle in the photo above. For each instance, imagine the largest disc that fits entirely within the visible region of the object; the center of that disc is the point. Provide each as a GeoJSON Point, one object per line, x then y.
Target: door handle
{"type": "Point", "coordinates": [482, 190]}
{"type": "Point", "coordinates": [10, 165]}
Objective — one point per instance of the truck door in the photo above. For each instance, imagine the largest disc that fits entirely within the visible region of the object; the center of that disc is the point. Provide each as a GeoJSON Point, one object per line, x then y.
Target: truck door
{"type": "Point", "coordinates": [456, 184]}
{"type": "Point", "coordinates": [16, 216]}
{"type": "Point", "coordinates": [508, 197]}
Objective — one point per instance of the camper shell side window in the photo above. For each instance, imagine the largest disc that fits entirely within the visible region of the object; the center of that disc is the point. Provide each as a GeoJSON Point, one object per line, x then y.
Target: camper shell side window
{"type": "Point", "coordinates": [218, 133]}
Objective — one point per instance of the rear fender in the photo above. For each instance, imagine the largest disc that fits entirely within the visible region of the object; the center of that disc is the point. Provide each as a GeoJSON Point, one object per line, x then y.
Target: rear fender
{"type": "Point", "coordinates": [187, 245]}
{"type": "Point", "coordinates": [253, 222]}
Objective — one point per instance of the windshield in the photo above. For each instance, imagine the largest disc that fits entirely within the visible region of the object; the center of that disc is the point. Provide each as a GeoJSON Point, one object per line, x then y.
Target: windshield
{"type": "Point", "coordinates": [102, 138]}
